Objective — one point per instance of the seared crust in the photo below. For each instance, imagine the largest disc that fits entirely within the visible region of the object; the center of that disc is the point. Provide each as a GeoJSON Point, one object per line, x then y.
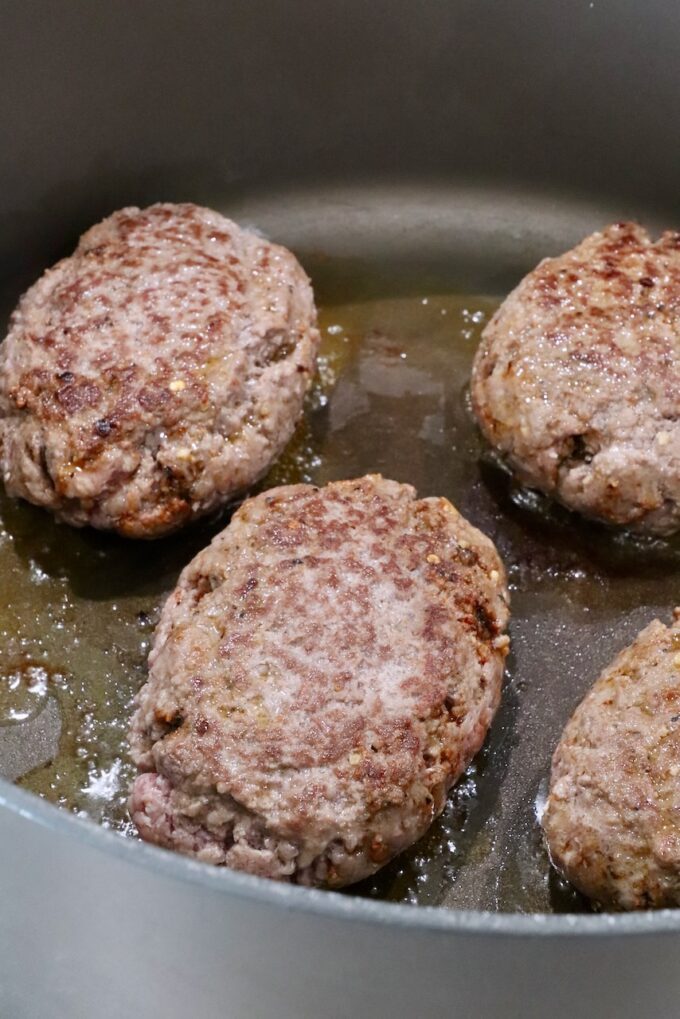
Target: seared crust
{"type": "Point", "coordinates": [156, 372]}
{"type": "Point", "coordinates": [612, 820]}
{"type": "Point", "coordinates": [577, 379]}
{"type": "Point", "coordinates": [320, 677]}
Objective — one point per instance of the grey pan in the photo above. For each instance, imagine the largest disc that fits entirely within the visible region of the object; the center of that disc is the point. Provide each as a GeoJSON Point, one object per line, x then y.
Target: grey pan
{"type": "Point", "coordinates": [470, 138]}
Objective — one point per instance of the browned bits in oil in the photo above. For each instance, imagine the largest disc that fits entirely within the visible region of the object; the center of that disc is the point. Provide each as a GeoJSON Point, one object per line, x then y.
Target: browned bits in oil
{"type": "Point", "coordinates": [87, 605]}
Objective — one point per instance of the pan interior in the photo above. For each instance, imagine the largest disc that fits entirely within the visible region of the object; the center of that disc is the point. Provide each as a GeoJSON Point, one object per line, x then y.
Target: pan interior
{"type": "Point", "coordinates": [405, 281]}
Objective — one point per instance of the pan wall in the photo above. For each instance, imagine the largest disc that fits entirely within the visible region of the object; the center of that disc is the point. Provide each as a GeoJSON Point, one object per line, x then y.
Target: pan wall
{"type": "Point", "coordinates": [107, 104]}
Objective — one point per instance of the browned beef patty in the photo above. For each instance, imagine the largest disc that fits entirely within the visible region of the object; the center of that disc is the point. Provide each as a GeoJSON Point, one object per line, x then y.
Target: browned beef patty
{"type": "Point", "coordinates": [320, 677]}
{"type": "Point", "coordinates": [612, 820]}
{"type": "Point", "coordinates": [577, 379]}
{"type": "Point", "coordinates": [156, 372]}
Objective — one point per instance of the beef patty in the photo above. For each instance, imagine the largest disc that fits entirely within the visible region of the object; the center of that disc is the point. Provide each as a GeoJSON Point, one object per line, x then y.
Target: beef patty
{"type": "Point", "coordinates": [577, 379]}
{"type": "Point", "coordinates": [320, 677]}
{"type": "Point", "coordinates": [156, 372]}
{"type": "Point", "coordinates": [612, 820]}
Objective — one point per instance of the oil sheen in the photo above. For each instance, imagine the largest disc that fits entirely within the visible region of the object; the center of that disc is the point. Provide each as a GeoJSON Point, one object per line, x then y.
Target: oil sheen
{"type": "Point", "coordinates": [77, 608]}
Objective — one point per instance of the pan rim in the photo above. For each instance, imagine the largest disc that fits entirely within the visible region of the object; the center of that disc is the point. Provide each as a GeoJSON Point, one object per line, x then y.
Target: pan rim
{"type": "Point", "coordinates": [432, 920]}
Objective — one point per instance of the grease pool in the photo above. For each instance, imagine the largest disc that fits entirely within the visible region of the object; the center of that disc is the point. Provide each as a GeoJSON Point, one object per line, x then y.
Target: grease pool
{"type": "Point", "coordinates": [77, 608]}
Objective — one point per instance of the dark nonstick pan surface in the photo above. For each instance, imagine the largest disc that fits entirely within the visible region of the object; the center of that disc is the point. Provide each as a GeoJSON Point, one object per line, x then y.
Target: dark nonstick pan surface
{"type": "Point", "coordinates": [405, 281]}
